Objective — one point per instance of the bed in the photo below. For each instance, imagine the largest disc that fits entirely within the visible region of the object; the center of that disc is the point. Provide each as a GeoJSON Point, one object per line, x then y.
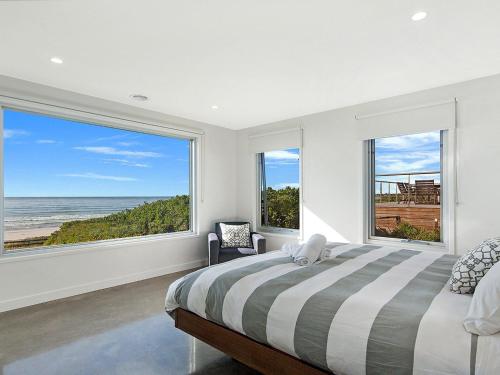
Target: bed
{"type": "Point", "coordinates": [364, 310]}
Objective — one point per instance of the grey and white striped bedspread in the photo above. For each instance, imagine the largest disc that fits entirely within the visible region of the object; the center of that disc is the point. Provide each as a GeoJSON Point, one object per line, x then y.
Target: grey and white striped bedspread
{"type": "Point", "coordinates": [366, 310]}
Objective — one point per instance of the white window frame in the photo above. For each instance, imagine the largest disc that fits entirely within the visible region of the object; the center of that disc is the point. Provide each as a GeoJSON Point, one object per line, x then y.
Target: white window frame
{"type": "Point", "coordinates": [270, 229]}
{"type": "Point", "coordinates": [448, 199]}
{"type": "Point", "coordinates": [110, 120]}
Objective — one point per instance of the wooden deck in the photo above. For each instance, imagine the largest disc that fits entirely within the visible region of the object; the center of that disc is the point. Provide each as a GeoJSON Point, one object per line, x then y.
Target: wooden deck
{"type": "Point", "coordinates": [25, 243]}
{"type": "Point", "coordinates": [423, 216]}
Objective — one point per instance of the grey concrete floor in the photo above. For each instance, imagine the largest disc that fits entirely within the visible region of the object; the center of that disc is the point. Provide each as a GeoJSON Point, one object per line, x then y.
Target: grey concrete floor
{"type": "Point", "coordinates": [121, 330]}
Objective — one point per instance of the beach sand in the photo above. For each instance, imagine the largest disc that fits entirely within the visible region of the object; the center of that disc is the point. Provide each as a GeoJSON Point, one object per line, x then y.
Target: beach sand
{"type": "Point", "coordinates": [21, 234]}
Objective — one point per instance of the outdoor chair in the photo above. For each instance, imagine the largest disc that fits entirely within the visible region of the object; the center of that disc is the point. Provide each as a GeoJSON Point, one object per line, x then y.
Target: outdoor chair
{"type": "Point", "coordinates": [405, 190]}
{"type": "Point", "coordinates": [425, 192]}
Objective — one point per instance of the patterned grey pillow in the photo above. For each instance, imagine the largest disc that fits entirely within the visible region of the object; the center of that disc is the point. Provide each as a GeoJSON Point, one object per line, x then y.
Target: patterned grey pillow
{"type": "Point", "coordinates": [235, 235]}
{"type": "Point", "coordinates": [473, 265]}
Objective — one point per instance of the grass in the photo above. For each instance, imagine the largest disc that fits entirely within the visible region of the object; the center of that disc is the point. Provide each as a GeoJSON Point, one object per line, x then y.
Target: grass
{"type": "Point", "coordinates": [161, 216]}
{"type": "Point", "coordinates": [407, 231]}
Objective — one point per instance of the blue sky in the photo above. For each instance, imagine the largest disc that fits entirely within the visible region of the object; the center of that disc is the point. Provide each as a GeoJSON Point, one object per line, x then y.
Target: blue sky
{"type": "Point", "coordinates": [410, 153]}
{"type": "Point", "coordinates": [45, 156]}
{"type": "Point", "coordinates": [282, 168]}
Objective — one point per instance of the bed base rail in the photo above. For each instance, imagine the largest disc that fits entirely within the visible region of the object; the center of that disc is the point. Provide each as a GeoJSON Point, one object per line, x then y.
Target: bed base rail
{"type": "Point", "coordinates": [260, 357]}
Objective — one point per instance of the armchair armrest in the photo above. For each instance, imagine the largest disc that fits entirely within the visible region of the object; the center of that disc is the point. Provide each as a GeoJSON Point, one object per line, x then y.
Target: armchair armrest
{"type": "Point", "coordinates": [259, 243]}
{"type": "Point", "coordinates": [213, 249]}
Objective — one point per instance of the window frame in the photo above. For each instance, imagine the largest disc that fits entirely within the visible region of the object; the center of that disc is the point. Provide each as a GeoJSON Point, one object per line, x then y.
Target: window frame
{"type": "Point", "coordinates": [110, 120]}
{"type": "Point", "coordinates": [448, 198]}
{"type": "Point", "coordinates": [270, 229]}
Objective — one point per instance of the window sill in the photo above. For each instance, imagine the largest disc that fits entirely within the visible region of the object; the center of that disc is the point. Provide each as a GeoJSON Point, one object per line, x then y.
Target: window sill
{"type": "Point", "coordinates": [62, 250]}
{"type": "Point", "coordinates": [440, 247]}
{"type": "Point", "coordinates": [276, 232]}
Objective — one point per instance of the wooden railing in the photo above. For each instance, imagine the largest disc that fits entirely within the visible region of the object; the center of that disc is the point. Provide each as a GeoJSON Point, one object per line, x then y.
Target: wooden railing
{"type": "Point", "coordinates": [30, 242]}
{"type": "Point", "coordinates": [392, 193]}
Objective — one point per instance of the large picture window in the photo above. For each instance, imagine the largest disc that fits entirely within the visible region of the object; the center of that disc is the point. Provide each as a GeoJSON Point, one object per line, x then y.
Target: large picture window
{"type": "Point", "coordinates": [69, 182]}
{"type": "Point", "coordinates": [407, 188]}
{"type": "Point", "coordinates": [279, 193]}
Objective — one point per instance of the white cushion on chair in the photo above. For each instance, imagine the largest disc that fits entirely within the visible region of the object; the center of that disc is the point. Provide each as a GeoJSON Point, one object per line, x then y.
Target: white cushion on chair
{"type": "Point", "coordinates": [235, 235]}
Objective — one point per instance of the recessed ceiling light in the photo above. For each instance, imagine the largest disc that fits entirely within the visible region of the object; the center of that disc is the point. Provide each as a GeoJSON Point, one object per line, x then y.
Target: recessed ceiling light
{"type": "Point", "coordinates": [215, 107]}
{"type": "Point", "coordinates": [56, 60]}
{"type": "Point", "coordinates": [139, 97]}
{"type": "Point", "coordinates": [419, 16]}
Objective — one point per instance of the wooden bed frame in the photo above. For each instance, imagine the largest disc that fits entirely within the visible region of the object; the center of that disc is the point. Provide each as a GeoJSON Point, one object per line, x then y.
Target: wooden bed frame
{"type": "Point", "coordinates": [258, 356]}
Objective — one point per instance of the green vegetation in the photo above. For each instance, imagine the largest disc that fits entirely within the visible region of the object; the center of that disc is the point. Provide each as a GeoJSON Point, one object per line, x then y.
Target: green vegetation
{"type": "Point", "coordinates": [162, 216]}
{"type": "Point", "coordinates": [283, 208]}
{"type": "Point", "coordinates": [408, 231]}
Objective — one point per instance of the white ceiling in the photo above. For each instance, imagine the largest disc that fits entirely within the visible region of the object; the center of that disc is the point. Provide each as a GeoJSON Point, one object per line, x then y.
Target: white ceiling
{"type": "Point", "coordinates": [258, 60]}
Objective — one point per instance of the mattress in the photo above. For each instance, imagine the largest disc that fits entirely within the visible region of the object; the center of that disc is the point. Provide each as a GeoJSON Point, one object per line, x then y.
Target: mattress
{"type": "Point", "coordinates": [365, 310]}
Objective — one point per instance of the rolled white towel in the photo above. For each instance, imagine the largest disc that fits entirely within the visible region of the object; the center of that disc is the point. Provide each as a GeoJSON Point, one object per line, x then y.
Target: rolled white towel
{"type": "Point", "coordinates": [311, 250]}
{"type": "Point", "coordinates": [291, 248]}
{"type": "Point", "coordinates": [325, 254]}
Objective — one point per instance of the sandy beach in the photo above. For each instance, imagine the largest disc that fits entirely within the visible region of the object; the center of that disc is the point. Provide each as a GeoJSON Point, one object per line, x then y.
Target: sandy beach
{"type": "Point", "coordinates": [20, 234]}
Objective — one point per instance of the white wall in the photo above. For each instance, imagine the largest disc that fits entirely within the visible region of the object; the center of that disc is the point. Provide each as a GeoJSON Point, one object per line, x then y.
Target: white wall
{"type": "Point", "coordinates": [333, 191]}
{"type": "Point", "coordinates": [333, 164]}
{"type": "Point", "coordinates": [32, 279]}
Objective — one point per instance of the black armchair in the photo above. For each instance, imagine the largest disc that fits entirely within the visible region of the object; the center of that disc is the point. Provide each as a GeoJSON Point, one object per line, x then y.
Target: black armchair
{"type": "Point", "coordinates": [216, 254]}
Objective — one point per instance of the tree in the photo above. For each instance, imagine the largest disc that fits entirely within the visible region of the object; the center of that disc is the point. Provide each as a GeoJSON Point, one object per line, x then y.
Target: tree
{"type": "Point", "coordinates": [283, 207]}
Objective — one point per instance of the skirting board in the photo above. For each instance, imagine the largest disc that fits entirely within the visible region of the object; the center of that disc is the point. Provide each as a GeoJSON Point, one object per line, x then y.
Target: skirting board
{"type": "Point", "coordinates": [55, 294]}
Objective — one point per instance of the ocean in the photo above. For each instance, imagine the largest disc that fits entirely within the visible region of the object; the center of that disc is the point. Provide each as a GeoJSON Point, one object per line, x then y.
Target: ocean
{"type": "Point", "coordinates": [48, 212]}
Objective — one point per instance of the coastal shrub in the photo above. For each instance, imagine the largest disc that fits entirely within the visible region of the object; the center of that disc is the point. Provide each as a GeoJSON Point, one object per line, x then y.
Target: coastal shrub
{"type": "Point", "coordinates": [283, 207]}
{"type": "Point", "coordinates": [161, 216]}
{"type": "Point", "coordinates": [407, 231]}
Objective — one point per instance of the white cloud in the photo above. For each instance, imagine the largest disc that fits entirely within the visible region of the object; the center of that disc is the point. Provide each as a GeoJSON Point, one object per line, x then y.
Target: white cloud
{"type": "Point", "coordinates": [408, 142]}
{"type": "Point", "coordinates": [128, 163]}
{"type": "Point", "coordinates": [11, 133]}
{"type": "Point", "coordinates": [428, 157]}
{"type": "Point", "coordinates": [105, 150]}
{"type": "Point", "coordinates": [46, 141]}
{"type": "Point", "coordinates": [127, 144]}
{"type": "Point", "coordinates": [111, 138]}
{"type": "Point", "coordinates": [95, 176]}
{"type": "Point", "coordinates": [270, 163]}
{"type": "Point", "coordinates": [409, 153]}
{"type": "Point", "coordinates": [408, 162]}
{"type": "Point", "coordinates": [281, 155]}
{"type": "Point", "coordinates": [285, 185]}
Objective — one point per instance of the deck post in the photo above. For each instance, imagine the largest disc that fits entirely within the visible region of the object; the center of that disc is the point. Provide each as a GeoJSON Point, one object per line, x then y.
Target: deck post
{"type": "Point", "coordinates": [409, 190]}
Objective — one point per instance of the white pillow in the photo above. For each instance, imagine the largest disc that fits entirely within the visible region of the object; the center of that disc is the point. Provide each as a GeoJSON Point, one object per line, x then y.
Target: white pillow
{"type": "Point", "coordinates": [483, 317]}
{"type": "Point", "coordinates": [235, 235]}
